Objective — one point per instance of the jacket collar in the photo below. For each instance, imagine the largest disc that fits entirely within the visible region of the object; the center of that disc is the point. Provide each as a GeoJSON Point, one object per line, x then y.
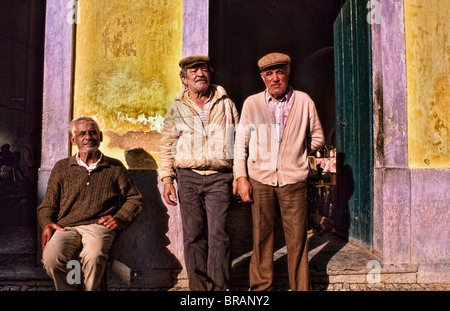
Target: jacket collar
{"type": "Point", "coordinates": [217, 90]}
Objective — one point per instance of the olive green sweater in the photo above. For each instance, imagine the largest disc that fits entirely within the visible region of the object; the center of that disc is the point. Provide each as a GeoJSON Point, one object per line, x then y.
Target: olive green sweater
{"type": "Point", "coordinates": [76, 197]}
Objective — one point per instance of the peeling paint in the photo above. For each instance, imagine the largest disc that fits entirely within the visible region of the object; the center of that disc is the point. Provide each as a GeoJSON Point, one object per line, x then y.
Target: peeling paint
{"type": "Point", "coordinates": [116, 39]}
{"type": "Point", "coordinates": [133, 140]}
{"type": "Point", "coordinates": [126, 70]}
{"type": "Point", "coordinates": [378, 111]}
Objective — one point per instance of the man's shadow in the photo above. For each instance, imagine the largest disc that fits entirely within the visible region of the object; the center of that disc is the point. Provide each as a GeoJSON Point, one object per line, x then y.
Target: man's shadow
{"type": "Point", "coordinates": [140, 257]}
{"type": "Point", "coordinates": [329, 245]}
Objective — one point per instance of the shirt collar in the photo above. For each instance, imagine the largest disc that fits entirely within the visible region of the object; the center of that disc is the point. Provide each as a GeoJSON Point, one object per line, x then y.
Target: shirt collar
{"type": "Point", "coordinates": [285, 98]}
{"type": "Point", "coordinates": [91, 167]}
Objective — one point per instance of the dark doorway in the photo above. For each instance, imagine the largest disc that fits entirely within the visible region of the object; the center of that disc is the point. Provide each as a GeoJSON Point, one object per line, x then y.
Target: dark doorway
{"type": "Point", "coordinates": [21, 59]}
{"type": "Point", "coordinates": [329, 42]}
{"type": "Point", "coordinates": [241, 32]}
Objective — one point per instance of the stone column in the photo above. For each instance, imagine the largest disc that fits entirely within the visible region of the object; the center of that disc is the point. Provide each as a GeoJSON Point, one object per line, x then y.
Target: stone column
{"type": "Point", "coordinates": [56, 111]}
{"type": "Point", "coordinates": [391, 172]}
{"type": "Point", "coordinates": [195, 27]}
{"type": "Point", "coordinates": [57, 86]}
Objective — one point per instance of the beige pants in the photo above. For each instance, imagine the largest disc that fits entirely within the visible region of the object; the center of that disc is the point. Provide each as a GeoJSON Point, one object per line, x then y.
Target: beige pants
{"type": "Point", "coordinates": [95, 240]}
{"type": "Point", "coordinates": [293, 203]}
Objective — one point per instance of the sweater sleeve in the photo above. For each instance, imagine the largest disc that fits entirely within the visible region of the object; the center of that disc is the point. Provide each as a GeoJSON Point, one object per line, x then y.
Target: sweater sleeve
{"type": "Point", "coordinates": [315, 138]}
{"type": "Point", "coordinates": [241, 144]}
{"type": "Point", "coordinates": [132, 200]}
{"type": "Point", "coordinates": [48, 210]}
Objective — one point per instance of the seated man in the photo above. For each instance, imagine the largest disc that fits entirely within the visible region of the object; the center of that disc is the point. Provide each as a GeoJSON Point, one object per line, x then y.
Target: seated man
{"type": "Point", "coordinates": [89, 196]}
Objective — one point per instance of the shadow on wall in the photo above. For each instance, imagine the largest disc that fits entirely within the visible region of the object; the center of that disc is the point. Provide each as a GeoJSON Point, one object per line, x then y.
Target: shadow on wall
{"type": "Point", "coordinates": [140, 256]}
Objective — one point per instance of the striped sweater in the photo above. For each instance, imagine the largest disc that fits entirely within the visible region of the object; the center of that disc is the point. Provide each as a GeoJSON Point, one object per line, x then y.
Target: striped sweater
{"type": "Point", "coordinates": [77, 197]}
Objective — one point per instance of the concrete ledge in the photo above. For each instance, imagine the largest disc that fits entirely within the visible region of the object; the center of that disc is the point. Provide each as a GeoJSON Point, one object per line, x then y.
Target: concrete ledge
{"type": "Point", "coordinates": [438, 273]}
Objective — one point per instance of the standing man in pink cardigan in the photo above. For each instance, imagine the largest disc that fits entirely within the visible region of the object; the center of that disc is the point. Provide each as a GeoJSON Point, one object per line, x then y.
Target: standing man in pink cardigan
{"type": "Point", "coordinates": [278, 128]}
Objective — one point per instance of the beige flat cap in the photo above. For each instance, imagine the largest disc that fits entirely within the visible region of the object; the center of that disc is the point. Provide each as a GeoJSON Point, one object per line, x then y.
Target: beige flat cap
{"type": "Point", "coordinates": [273, 59]}
{"type": "Point", "coordinates": [191, 61]}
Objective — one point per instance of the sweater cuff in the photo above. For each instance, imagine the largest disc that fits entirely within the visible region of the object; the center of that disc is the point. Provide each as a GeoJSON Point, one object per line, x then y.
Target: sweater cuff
{"type": "Point", "coordinates": [240, 169]}
{"type": "Point", "coordinates": [44, 221]}
{"type": "Point", "coordinates": [167, 180]}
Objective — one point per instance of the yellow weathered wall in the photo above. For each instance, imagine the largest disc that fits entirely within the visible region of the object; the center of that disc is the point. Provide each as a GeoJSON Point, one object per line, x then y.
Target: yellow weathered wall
{"type": "Point", "coordinates": [427, 29]}
{"type": "Point", "coordinates": [126, 72]}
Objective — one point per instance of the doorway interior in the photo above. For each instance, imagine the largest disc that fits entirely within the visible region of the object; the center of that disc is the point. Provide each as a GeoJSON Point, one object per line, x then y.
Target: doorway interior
{"type": "Point", "coordinates": [21, 59]}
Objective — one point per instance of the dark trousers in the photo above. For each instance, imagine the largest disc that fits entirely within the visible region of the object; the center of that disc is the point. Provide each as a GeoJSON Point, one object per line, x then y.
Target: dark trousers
{"type": "Point", "coordinates": [292, 200]}
{"type": "Point", "coordinates": [204, 204]}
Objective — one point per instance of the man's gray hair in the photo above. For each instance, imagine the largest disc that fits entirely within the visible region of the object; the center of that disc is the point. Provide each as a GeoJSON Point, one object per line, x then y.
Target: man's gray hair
{"type": "Point", "coordinates": [82, 119]}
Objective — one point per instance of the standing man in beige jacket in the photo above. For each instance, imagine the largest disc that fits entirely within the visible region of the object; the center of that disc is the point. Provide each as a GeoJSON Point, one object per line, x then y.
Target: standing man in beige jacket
{"type": "Point", "coordinates": [279, 127]}
{"type": "Point", "coordinates": [197, 150]}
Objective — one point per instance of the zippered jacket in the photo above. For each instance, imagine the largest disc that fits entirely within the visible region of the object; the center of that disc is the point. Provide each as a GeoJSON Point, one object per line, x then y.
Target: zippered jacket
{"type": "Point", "coordinates": [186, 143]}
{"type": "Point", "coordinates": [262, 156]}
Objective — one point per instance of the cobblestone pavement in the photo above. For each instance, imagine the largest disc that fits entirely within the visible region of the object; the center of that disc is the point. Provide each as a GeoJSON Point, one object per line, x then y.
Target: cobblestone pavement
{"type": "Point", "coordinates": [335, 266]}
{"type": "Point", "coordinates": [383, 287]}
{"type": "Point", "coordinates": [315, 287]}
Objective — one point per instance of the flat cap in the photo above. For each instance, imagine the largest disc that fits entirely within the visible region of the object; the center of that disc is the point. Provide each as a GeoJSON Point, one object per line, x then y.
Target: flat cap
{"type": "Point", "coordinates": [273, 59]}
{"type": "Point", "coordinates": [191, 61]}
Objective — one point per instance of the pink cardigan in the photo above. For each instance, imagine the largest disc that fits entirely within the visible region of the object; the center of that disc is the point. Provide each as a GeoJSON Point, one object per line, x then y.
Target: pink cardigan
{"type": "Point", "coordinates": [261, 156]}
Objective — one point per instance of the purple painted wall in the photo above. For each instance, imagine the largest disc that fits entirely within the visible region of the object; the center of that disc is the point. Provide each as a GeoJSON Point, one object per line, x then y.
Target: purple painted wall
{"type": "Point", "coordinates": [411, 206]}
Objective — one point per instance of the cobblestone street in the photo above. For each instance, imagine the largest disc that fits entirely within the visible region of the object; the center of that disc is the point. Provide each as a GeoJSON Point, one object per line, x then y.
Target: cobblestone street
{"type": "Point", "coordinates": [335, 265]}
{"type": "Point", "coordinates": [316, 287]}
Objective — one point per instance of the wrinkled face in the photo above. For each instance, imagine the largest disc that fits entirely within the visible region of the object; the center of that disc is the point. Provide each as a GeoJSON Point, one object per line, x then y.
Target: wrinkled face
{"type": "Point", "coordinates": [87, 137]}
{"type": "Point", "coordinates": [197, 78]}
{"type": "Point", "coordinates": [276, 80]}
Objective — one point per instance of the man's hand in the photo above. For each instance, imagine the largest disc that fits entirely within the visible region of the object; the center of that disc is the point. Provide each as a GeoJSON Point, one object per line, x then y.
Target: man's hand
{"type": "Point", "coordinates": [235, 187]}
{"type": "Point", "coordinates": [169, 194]}
{"type": "Point", "coordinates": [48, 232]}
{"type": "Point", "coordinates": [245, 190]}
{"type": "Point", "coordinates": [109, 222]}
